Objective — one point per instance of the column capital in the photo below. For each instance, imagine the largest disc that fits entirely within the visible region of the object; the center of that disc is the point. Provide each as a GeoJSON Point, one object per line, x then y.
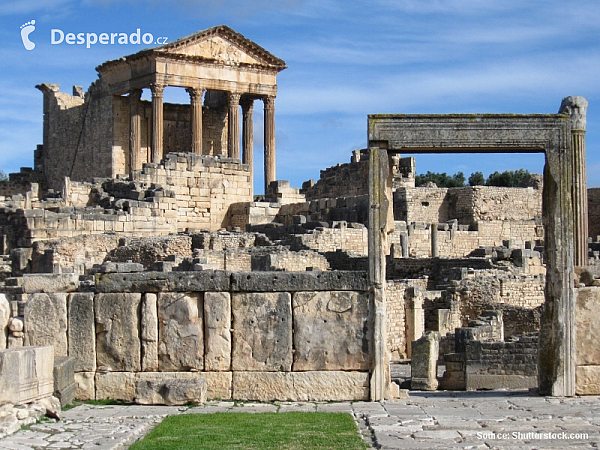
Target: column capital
{"type": "Point", "coordinates": [269, 101]}
{"type": "Point", "coordinates": [195, 93]}
{"type": "Point", "coordinates": [157, 89]}
{"type": "Point", "coordinates": [576, 108]}
{"type": "Point", "coordinates": [247, 104]}
{"type": "Point", "coordinates": [233, 98]}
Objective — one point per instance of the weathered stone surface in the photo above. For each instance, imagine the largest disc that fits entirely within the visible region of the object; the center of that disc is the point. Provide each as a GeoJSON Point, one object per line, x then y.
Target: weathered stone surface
{"type": "Point", "coordinates": [198, 281]}
{"type": "Point", "coordinates": [301, 386]}
{"type": "Point", "coordinates": [170, 391]}
{"type": "Point", "coordinates": [81, 331]}
{"type": "Point", "coordinates": [338, 280]}
{"type": "Point", "coordinates": [149, 319]}
{"type": "Point", "coordinates": [587, 380]}
{"type": "Point", "coordinates": [117, 336]}
{"type": "Point", "coordinates": [26, 374]}
{"type": "Point", "coordinates": [85, 388]}
{"type": "Point", "coordinates": [217, 329]}
{"type": "Point", "coordinates": [262, 338]}
{"type": "Point", "coordinates": [423, 365]}
{"type": "Point", "coordinates": [331, 330]}
{"type": "Point", "coordinates": [50, 282]}
{"type": "Point", "coordinates": [587, 319]}
{"type": "Point", "coordinates": [476, 381]}
{"type": "Point", "coordinates": [121, 385]}
{"type": "Point", "coordinates": [46, 321]}
{"type": "Point", "coordinates": [64, 382]}
{"type": "Point", "coordinates": [181, 342]}
{"type": "Point", "coordinates": [4, 318]}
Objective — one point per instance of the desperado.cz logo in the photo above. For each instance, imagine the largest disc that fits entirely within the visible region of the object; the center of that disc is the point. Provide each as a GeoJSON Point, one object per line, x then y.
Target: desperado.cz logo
{"type": "Point", "coordinates": [58, 36]}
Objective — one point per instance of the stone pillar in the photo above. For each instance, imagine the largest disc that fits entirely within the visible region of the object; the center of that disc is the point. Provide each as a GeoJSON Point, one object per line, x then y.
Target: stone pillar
{"type": "Point", "coordinates": [423, 363]}
{"type": "Point", "coordinates": [404, 244]}
{"type": "Point", "coordinates": [248, 138]}
{"type": "Point", "coordinates": [135, 127]}
{"type": "Point", "coordinates": [576, 108]}
{"type": "Point", "coordinates": [157, 122]}
{"type": "Point", "coordinates": [234, 124]}
{"type": "Point", "coordinates": [415, 318]}
{"type": "Point", "coordinates": [435, 251]}
{"type": "Point", "coordinates": [379, 227]}
{"type": "Point", "coordinates": [196, 118]}
{"type": "Point", "coordinates": [269, 110]}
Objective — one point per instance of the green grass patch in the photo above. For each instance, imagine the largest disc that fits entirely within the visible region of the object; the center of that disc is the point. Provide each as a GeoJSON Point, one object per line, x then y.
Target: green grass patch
{"type": "Point", "coordinates": [281, 431]}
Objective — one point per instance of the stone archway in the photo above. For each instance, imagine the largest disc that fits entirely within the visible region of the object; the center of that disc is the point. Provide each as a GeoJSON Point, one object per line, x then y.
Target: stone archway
{"type": "Point", "coordinates": [560, 138]}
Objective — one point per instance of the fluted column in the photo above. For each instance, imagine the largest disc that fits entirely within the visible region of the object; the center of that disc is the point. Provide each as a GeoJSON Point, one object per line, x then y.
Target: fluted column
{"type": "Point", "coordinates": [248, 137]}
{"type": "Point", "coordinates": [269, 110]}
{"type": "Point", "coordinates": [135, 126]}
{"type": "Point", "coordinates": [157, 122]}
{"type": "Point", "coordinates": [576, 108]}
{"type": "Point", "coordinates": [196, 118]}
{"type": "Point", "coordinates": [234, 124]}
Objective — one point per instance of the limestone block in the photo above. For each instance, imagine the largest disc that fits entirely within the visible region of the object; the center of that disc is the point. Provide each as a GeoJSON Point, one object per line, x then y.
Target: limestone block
{"type": "Point", "coordinates": [170, 391]}
{"type": "Point", "coordinates": [301, 386]}
{"type": "Point", "coordinates": [423, 365]}
{"type": "Point", "coordinates": [46, 321]}
{"type": "Point", "coordinates": [81, 331]}
{"type": "Point", "coordinates": [209, 280]}
{"type": "Point", "coordinates": [262, 339]}
{"type": "Point", "coordinates": [334, 280]}
{"type": "Point", "coordinates": [181, 341]}
{"type": "Point", "coordinates": [85, 388]}
{"type": "Point", "coordinates": [121, 385]}
{"type": "Point", "coordinates": [331, 330]}
{"type": "Point", "coordinates": [587, 319]}
{"type": "Point", "coordinates": [117, 338]}
{"type": "Point", "coordinates": [217, 329]}
{"type": "Point", "coordinates": [149, 319]}
{"type": "Point", "coordinates": [4, 318]}
{"type": "Point", "coordinates": [26, 374]}
{"type": "Point", "coordinates": [587, 380]}
{"type": "Point", "coordinates": [64, 382]}
{"type": "Point", "coordinates": [50, 282]}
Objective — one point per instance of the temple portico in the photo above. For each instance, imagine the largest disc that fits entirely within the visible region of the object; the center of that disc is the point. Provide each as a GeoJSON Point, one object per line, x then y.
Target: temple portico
{"type": "Point", "coordinates": [218, 60]}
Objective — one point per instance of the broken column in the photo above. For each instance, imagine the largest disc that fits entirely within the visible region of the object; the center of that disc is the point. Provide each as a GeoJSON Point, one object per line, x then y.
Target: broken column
{"type": "Point", "coordinates": [423, 364]}
{"type": "Point", "coordinates": [415, 317]}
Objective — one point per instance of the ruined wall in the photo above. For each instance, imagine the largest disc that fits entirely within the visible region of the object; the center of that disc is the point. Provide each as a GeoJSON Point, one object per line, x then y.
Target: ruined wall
{"type": "Point", "coordinates": [396, 318]}
{"type": "Point", "coordinates": [594, 212]}
{"type": "Point", "coordinates": [467, 204]}
{"type": "Point", "coordinates": [78, 134]}
{"type": "Point", "coordinates": [587, 341]}
{"type": "Point", "coordinates": [262, 337]}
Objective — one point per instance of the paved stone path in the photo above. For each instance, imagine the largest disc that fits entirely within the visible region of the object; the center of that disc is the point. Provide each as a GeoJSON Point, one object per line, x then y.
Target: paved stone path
{"type": "Point", "coordinates": [436, 420]}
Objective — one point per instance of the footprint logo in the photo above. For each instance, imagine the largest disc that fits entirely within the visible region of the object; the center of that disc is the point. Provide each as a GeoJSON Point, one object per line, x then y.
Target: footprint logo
{"type": "Point", "coordinates": [26, 30]}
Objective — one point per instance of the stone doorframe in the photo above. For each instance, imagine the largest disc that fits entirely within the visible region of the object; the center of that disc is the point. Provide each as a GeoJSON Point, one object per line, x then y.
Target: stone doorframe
{"type": "Point", "coordinates": [558, 136]}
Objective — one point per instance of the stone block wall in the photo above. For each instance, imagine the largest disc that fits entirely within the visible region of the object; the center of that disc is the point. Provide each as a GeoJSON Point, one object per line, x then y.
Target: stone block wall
{"type": "Point", "coordinates": [269, 336]}
{"type": "Point", "coordinates": [587, 341]}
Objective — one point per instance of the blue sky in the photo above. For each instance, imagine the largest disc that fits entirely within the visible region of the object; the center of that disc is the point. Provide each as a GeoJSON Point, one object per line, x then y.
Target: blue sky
{"type": "Point", "coordinates": [346, 59]}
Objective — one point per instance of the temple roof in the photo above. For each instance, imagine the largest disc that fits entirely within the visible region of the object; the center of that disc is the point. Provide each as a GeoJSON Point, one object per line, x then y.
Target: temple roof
{"type": "Point", "coordinates": [219, 44]}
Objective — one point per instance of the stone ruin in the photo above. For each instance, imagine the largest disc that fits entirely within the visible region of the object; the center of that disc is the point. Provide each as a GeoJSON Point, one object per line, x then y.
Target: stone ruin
{"type": "Point", "coordinates": [140, 254]}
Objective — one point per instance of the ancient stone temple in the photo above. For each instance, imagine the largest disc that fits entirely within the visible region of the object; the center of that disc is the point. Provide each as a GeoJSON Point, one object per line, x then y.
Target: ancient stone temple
{"type": "Point", "coordinates": [110, 131]}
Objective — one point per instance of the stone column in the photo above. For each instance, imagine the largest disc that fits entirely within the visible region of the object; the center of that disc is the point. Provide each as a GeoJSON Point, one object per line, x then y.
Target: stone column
{"type": "Point", "coordinates": [576, 108]}
{"type": "Point", "coordinates": [248, 138]}
{"type": "Point", "coordinates": [234, 124]}
{"type": "Point", "coordinates": [379, 227]}
{"type": "Point", "coordinates": [135, 126]}
{"type": "Point", "coordinates": [157, 122]}
{"type": "Point", "coordinates": [269, 109]}
{"type": "Point", "coordinates": [415, 318]}
{"type": "Point", "coordinates": [196, 118]}
{"type": "Point", "coordinates": [435, 249]}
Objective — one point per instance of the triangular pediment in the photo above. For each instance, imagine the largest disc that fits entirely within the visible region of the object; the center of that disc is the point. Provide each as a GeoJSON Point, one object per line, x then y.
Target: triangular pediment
{"type": "Point", "coordinates": [222, 45]}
